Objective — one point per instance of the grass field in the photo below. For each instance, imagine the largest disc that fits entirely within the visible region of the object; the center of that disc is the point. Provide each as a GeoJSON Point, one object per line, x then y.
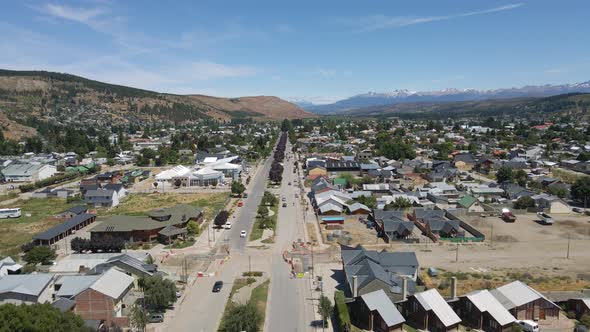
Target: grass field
{"type": "Point", "coordinates": [259, 297]}
{"type": "Point", "coordinates": [37, 216]}
{"type": "Point", "coordinates": [139, 204]}
{"type": "Point", "coordinates": [257, 231]}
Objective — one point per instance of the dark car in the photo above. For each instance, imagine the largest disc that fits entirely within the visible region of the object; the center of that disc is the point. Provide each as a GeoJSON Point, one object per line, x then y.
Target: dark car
{"type": "Point", "coordinates": [284, 204]}
{"type": "Point", "coordinates": [217, 286]}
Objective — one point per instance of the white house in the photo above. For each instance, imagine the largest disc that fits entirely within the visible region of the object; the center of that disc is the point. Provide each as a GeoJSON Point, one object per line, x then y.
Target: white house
{"type": "Point", "coordinates": [26, 288]}
{"type": "Point", "coordinates": [26, 172]}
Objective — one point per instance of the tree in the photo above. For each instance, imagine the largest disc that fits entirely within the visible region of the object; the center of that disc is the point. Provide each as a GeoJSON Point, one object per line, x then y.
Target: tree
{"type": "Point", "coordinates": [158, 293]}
{"type": "Point", "coordinates": [241, 317]}
{"type": "Point", "coordinates": [138, 317]}
{"type": "Point", "coordinates": [581, 190]}
{"type": "Point", "coordinates": [524, 202]}
{"type": "Point", "coordinates": [325, 309]}
{"type": "Point", "coordinates": [262, 211]}
{"type": "Point", "coordinates": [193, 228]}
{"type": "Point", "coordinates": [39, 317]}
{"type": "Point", "coordinates": [584, 156]}
{"type": "Point", "coordinates": [399, 204]}
{"type": "Point", "coordinates": [504, 174]}
{"type": "Point", "coordinates": [40, 254]}
{"type": "Point", "coordinates": [558, 190]}
{"type": "Point", "coordinates": [585, 320]}
{"type": "Point", "coordinates": [397, 150]}
{"type": "Point", "coordinates": [520, 177]}
{"type": "Point", "coordinates": [221, 218]}
{"type": "Point", "coordinates": [237, 188]}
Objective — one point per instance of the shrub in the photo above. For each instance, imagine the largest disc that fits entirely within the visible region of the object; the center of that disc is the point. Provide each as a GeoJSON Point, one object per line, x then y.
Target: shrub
{"type": "Point", "coordinates": [342, 311]}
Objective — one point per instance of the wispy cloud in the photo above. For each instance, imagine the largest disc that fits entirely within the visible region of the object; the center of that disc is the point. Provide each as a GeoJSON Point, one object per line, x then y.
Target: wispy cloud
{"type": "Point", "coordinates": [204, 70]}
{"type": "Point", "coordinates": [81, 15]}
{"type": "Point", "coordinates": [378, 22]}
{"type": "Point", "coordinates": [556, 71]}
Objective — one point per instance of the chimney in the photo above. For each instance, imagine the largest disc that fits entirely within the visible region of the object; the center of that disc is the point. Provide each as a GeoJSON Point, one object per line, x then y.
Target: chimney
{"type": "Point", "coordinates": [404, 288]}
{"type": "Point", "coordinates": [453, 287]}
{"type": "Point", "coordinates": [355, 286]}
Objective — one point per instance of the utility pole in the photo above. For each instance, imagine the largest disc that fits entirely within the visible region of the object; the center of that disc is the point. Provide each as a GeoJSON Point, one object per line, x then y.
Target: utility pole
{"type": "Point", "coordinates": [457, 254]}
{"type": "Point", "coordinates": [569, 237]}
{"type": "Point", "coordinates": [492, 236]}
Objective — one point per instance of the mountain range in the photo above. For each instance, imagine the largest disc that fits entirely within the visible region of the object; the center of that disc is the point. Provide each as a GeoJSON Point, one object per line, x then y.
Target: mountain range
{"type": "Point", "coordinates": [372, 99]}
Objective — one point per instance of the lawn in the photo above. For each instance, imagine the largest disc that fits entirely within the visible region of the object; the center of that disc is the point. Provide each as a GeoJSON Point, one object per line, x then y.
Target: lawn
{"type": "Point", "coordinates": [8, 196]}
{"type": "Point", "coordinates": [139, 204]}
{"type": "Point", "coordinates": [259, 297]}
{"type": "Point", "coordinates": [257, 230]}
{"type": "Point", "coordinates": [36, 217]}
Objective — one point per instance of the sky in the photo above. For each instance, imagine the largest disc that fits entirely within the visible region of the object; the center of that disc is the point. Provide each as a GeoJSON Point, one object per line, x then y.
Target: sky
{"type": "Point", "coordinates": [319, 51]}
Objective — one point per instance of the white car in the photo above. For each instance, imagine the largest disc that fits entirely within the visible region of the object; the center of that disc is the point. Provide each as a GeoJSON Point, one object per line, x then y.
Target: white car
{"type": "Point", "coordinates": [243, 234]}
{"type": "Point", "coordinates": [227, 225]}
{"type": "Point", "coordinates": [528, 325]}
{"type": "Point", "coordinates": [545, 218]}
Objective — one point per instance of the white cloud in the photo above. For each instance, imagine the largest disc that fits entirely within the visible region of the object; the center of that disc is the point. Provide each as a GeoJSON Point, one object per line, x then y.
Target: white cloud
{"type": "Point", "coordinates": [204, 70]}
{"type": "Point", "coordinates": [82, 15]}
{"type": "Point", "coordinates": [378, 22]}
{"type": "Point", "coordinates": [556, 71]}
{"type": "Point", "coordinates": [325, 73]}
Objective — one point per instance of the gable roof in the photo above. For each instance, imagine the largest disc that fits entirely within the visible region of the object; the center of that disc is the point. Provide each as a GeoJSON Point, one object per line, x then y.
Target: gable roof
{"type": "Point", "coordinates": [379, 301]}
{"type": "Point", "coordinates": [486, 302]}
{"type": "Point", "coordinates": [112, 283]}
{"type": "Point", "coordinates": [432, 300]}
{"type": "Point", "coordinates": [516, 294]}
{"type": "Point", "coordinates": [29, 284]}
{"type": "Point", "coordinates": [467, 201]}
{"type": "Point", "coordinates": [64, 226]}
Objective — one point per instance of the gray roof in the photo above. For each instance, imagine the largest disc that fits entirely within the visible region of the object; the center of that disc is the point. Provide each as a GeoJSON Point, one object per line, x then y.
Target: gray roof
{"type": "Point", "coordinates": [63, 304]}
{"type": "Point", "coordinates": [379, 301]}
{"type": "Point", "coordinates": [123, 261]}
{"type": "Point", "coordinates": [179, 214]}
{"type": "Point", "coordinates": [63, 227]}
{"type": "Point", "coordinates": [485, 301]}
{"type": "Point", "coordinates": [432, 300]}
{"type": "Point", "coordinates": [516, 294]}
{"type": "Point", "coordinates": [21, 169]}
{"type": "Point", "coordinates": [172, 231]}
{"type": "Point", "coordinates": [29, 284]}
{"type": "Point", "coordinates": [74, 285]}
{"type": "Point", "coordinates": [78, 209]}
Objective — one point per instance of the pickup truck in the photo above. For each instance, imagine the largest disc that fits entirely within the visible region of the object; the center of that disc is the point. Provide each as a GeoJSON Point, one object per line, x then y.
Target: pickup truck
{"type": "Point", "coordinates": [507, 216]}
{"type": "Point", "coordinates": [545, 218]}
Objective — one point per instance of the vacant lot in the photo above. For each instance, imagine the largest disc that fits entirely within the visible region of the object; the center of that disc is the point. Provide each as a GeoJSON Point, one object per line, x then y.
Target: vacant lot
{"type": "Point", "coordinates": [521, 247]}
{"type": "Point", "coordinates": [138, 204]}
{"type": "Point", "coordinates": [37, 216]}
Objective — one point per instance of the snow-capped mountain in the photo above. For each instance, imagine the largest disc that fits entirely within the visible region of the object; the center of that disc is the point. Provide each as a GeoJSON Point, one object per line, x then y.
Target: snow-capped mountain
{"type": "Point", "coordinates": [407, 96]}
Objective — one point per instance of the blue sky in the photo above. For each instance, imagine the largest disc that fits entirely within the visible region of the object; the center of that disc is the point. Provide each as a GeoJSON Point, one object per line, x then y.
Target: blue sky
{"type": "Point", "coordinates": [317, 50]}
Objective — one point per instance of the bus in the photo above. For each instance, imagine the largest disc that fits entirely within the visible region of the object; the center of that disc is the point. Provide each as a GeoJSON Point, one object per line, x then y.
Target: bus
{"type": "Point", "coordinates": [10, 213]}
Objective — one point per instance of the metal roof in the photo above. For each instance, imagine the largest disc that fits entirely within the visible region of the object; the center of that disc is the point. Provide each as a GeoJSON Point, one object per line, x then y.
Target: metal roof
{"type": "Point", "coordinates": [485, 301]}
{"type": "Point", "coordinates": [63, 227]}
{"type": "Point", "coordinates": [112, 283]}
{"type": "Point", "coordinates": [74, 285]}
{"type": "Point", "coordinates": [432, 300]}
{"type": "Point", "coordinates": [63, 304]}
{"type": "Point", "coordinates": [29, 284]}
{"type": "Point", "coordinates": [379, 301]}
{"type": "Point", "coordinates": [516, 294]}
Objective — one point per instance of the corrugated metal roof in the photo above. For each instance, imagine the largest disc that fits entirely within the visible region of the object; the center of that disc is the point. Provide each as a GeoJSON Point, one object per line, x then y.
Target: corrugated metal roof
{"type": "Point", "coordinates": [63, 227]}
{"type": "Point", "coordinates": [379, 301]}
{"type": "Point", "coordinates": [112, 283]}
{"type": "Point", "coordinates": [73, 285]}
{"type": "Point", "coordinates": [516, 294]}
{"type": "Point", "coordinates": [485, 301]}
{"type": "Point", "coordinates": [30, 284]}
{"type": "Point", "coordinates": [432, 300]}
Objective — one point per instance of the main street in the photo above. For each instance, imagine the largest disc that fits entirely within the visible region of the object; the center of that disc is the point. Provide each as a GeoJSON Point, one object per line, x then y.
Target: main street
{"type": "Point", "coordinates": [290, 306]}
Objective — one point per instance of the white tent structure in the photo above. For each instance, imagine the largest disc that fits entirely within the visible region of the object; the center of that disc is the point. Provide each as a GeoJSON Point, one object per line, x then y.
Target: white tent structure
{"type": "Point", "coordinates": [176, 171]}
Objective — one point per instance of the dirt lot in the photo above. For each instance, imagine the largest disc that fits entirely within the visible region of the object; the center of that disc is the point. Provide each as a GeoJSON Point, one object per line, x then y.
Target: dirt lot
{"type": "Point", "coordinates": [523, 246]}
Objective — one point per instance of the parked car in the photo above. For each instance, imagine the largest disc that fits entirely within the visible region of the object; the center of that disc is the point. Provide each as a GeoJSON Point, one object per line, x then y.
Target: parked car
{"type": "Point", "coordinates": [578, 210]}
{"type": "Point", "coordinates": [289, 183]}
{"type": "Point", "coordinates": [284, 199]}
{"type": "Point", "coordinates": [240, 204]}
{"type": "Point", "coordinates": [284, 204]}
{"type": "Point", "coordinates": [227, 225]}
{"type": "Point", "coordinates": [545, 218]}
{"type": "Point", "coordinates": [243, 234]}
{"type": "Point", "coordinates": [178, 294]}
{"type": "Point", "coordinates": [217, 286]}
{"type": "Point", "coordinates": [244, 195]}
{"type": "Point", "coordinates": [528, 325]}
{"type": "Point", "coordinates": [156, 318]}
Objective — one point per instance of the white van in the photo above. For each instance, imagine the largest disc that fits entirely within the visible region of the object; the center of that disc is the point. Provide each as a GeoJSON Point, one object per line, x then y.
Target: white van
{"type": "Point", "coordinates": [528, 325]}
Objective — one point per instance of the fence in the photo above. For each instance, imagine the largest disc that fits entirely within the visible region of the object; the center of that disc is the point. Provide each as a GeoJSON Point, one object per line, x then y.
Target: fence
{"type": "Point", "coordinates": [462, 239]}
{"type": "Point", "coordinates": [455, 216]}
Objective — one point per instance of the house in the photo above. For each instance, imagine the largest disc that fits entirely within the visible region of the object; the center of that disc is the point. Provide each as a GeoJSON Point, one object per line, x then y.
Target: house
{"type": "Point", "coordinates": [316, 171]}
{"type": "Point", "coordinates": [391, 225]}
{"type": "Point", "coordinates": [580, 306]}
{"type": "Point", "coordinates": [367, 271]}
{"type": "Point", "coordinates": [26, 288]}
{"type": "Point", "coordinates": [25, 172]}
{"type": "Point", "coordinates": [524, 302]}
{"type": "Point", "coordinates": [101, 198]}
{"type": "Point", "coordinates": [513, 191]}
{"type": "Point", "coordinates": [337, 167]}
{"type": "Point", "coordinates": [358, 208]}
{"type": "Point", "coordinates": [127, 264]}
{"type": "Point", "coordinates": [147, 228]}
{"type": "Point", "coordinates": [464, 161]}
{"type": "Point", "coordinates": [72, 212]}
{"type": "Point", "coordinates": [429, 311]}
{"type": "Point", "coordinates": [116, 187]}
{"type": "Point", "coordinates": [53, 193]}
{"type": "Point", "coordinates": [102, 297]}
{"type": "Point", "coordinates": [9, 266]}
{"type": "Point", "coordinates": [86, 263]}
{"type": "Point", "coordinates": [58, 232]}
{"type": "Point", "coordinates": [470, 203]}
{"type": "Point", "coordinates": [375, 312]}
{"type": "Point", "coordinates": [553, 203]}
{"type": "Point", "coordinates": [480, 310]}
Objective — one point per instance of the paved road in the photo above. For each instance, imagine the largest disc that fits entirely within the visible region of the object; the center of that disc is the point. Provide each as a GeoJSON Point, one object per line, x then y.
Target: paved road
{"type": "Point", "coordinates": [290, 305]}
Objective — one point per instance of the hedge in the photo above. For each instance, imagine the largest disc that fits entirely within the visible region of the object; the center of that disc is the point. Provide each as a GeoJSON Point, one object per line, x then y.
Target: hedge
{"type": "Point", "coordinates": [342, 311]}
{"type": "Point", "coordinates": [49, 181]}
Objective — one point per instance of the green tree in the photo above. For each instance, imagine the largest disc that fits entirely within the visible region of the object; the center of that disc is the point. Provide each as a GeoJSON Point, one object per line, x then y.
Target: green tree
{"type": "Point", "coordinates": [504, 174]}
{"type": "Point", "coordinates": [193, 228]}
{"type": "Point", "coordinates": [158, 293]}
{"type": "Point", "coordinates": [138, 317]}
{"type": "Point", "coordinates": [237, 188]}
{"type": "Point", "coordinates": [559, 191]}
{"type": "Point", "coordinates": [585, 320]}
{"type": "Point", "coordinates": [520, 177]}
{"type": "Point", "coordinates": [584, 156]}
{"type": "Point", "coordinates": [399, 204]}
{"type": "Point", "coordinates": [39, 317]}
{"type": "Point", "coordinates": [581, 190]}
{"type": "Point", "coordinates": [397, 150]}
{"type": "Point", "coordinates": [325, 309]}
{"type": "Point", "coordinates": [524, 202]}
{"type": "Point", "coordinates": [262, 211]}
{"type": "Point", "coordinates": [40, 254]}
{"type": "Point", "coordinates": [241, 317]}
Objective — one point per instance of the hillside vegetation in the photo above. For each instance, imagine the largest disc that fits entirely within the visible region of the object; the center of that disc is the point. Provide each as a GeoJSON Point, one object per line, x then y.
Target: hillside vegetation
{"type": "Point", "coordinates": [573, 104]}
{"type": "Point", "coordinates": [66, 99]}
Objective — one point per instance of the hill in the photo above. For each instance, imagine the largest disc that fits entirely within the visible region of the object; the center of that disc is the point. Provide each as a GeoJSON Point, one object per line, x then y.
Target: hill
{"type": "Point", "coordinates": [576, 104]}
{"type": "Point", "coordinates": [447, 95]}
{"type": "Point", "coordinates": [72, 99]}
